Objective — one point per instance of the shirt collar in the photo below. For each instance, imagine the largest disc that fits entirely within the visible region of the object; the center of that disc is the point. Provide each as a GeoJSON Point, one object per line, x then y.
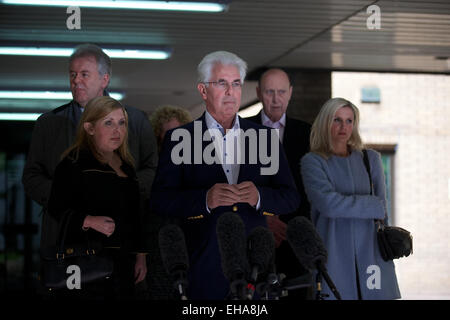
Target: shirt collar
{"type": "Point", "coordinates": [211, 123]}
{"type": "Point", "coordinates": [265, 119]}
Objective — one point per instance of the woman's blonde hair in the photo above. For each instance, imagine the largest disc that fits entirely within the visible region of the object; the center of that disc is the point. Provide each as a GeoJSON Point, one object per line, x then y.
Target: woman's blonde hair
{"type": "Point", "coordinates": [95, 110]}
{"type": "Point", "coordinates": [320, 139]}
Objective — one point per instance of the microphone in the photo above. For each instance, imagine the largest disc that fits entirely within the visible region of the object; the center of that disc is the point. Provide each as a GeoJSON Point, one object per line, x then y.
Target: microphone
{"type": "Point", "coordinates": [232, 246]}
{"type": "Point", "coordinates": [309, 248]}
{"type": "Point", "coordinates": [261, 249]}
{"type": "Point", "coordinates": [172, 246]}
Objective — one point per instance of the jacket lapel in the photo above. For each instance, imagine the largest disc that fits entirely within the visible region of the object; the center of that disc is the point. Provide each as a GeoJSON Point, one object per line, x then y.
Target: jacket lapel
{"type": "Point", "coordinates": [213, 170]}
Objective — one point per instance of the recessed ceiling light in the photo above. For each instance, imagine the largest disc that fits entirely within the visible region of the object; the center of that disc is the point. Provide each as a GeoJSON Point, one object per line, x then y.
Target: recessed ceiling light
{"type": "Point", "coordinates": [250, 111]}
{"type": "Point", "coordinates": [11, 116]}
{"type": "Point", "coordinates": [50, 51]}
{"type": "Point", "coordinates": [46, 95]}
{"type": "Point", "coordinates": [139, 5]}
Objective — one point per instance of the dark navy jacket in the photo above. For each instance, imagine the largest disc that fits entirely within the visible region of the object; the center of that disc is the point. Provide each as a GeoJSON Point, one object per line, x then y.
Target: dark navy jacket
{"type": "Point", "coordinates": [179, 191]}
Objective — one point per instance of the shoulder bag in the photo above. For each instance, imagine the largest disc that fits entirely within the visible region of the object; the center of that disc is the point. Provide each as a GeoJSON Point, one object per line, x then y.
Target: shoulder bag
{"type": "Point", "coordinates": [59, 263]}
{"type": "Point", "coordinates": [394, 242]}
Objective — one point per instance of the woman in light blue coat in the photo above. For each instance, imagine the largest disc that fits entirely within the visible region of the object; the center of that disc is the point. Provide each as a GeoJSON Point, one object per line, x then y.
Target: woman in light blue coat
{"type": "Point", "coordinates": [342, 209]}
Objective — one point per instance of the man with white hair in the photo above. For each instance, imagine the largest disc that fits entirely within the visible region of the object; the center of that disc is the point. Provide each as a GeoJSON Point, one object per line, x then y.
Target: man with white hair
{"type": "Point", "coordinates": [197, 192]}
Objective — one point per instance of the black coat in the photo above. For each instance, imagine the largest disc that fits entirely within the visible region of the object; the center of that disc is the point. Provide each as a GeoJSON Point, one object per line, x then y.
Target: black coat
{"type": "Point", "coordinates": [296, 145]}
{"type": "Point", "coordinates": [54, 132]}
{"type": "Point", "coordinates": [87, 187]}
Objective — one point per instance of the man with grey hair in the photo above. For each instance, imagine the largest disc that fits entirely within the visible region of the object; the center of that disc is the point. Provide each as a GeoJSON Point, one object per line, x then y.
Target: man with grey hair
{"type": "Point", "coordinates": [197, 193]}
{"type": "Point", "coordinates": [54, 131]}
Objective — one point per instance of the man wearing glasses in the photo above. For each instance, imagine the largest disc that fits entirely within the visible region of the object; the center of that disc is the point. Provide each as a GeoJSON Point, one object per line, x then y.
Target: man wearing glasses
{"type": "Point", "coordinates": [197, 194]}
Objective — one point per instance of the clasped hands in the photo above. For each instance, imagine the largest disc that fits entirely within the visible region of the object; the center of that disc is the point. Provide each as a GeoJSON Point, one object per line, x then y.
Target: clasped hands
{"type": "Point", "coordinates": [224, 194]}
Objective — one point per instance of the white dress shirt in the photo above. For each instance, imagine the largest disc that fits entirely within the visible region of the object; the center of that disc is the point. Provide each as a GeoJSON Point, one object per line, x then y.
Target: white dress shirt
{"type": "Point", "coordinates": [227, 148]}
{"type": "Point", "coordinates": [280, 124]}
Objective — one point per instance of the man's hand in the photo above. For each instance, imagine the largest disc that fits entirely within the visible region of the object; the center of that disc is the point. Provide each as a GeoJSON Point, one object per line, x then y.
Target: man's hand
{"type": "Point", "coordinates": [248, 193]}
{"type": "Point", "coordinates": [101, 224]}
{"type": "Point", "coordinates": [222, 194]}
{"type": "Point", "coordinates": [278, 229]}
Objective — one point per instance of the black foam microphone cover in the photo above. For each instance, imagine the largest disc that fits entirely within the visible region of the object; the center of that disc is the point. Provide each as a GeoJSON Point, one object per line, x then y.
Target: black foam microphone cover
{"type": "Point", "coordinates": [306, 242]}
{"type": "Point", "coordinates": [261, 248]}
{"type": "Point", "coordinates": [309, 248]}
{"type": "Point", "coordinates": [173, 249]}
{"type": "Point", "coordinates": [232, 245]}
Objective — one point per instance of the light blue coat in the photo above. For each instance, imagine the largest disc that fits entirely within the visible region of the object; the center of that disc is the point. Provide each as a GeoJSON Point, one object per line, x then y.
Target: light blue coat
{"type": "Point", "coordinates": [343, 212]}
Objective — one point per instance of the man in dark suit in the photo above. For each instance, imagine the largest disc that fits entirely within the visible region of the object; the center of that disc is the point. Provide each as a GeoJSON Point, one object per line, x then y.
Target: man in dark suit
{"type": "Point", "coordinates": [90, 71]}
{"type": "Point", "coordinates": [197, 180]}
{"type": "Point", "coordinates": [274, 91]}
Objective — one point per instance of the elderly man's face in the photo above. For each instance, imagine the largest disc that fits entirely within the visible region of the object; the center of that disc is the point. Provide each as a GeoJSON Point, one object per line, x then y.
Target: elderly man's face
{"type": "Point", "coordinates": [85, 81]}
{"type": "Point", "coordinates": [274, 93]}
{"type": "Point", "coordinates": [222, 101]}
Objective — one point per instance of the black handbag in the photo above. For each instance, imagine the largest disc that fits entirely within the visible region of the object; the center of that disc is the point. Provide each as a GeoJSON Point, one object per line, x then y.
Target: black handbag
{"type": "Point", "coordinates": [393, 242]}
{"type": "Point", "coordinates": [56, 268]}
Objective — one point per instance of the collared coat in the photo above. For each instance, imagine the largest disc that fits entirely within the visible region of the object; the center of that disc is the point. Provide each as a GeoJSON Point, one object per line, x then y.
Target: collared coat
{"type": "Point", "coordinates": [54, 132]}
{"type": "Point", "coordinates": [343, 212]}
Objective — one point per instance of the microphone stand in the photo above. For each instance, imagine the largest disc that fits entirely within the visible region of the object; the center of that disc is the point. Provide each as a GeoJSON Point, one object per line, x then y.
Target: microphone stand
{"type": "Point", "coordinates": [277, 286]}
{"type": "Point", "coordinates": [180, 284]}
{"type": "Point", "coordinates": [238, 287]}
{"type": "Point", "coordinates": [271, 288]}
{"type": "Point", "coordinates": [319, 294]}
{"type": "Point", "coordinates": [322, 271]}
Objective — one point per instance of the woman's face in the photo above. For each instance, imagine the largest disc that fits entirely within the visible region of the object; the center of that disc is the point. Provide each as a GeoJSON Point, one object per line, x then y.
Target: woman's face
{"type": "Point", "coordinates": [342, 125]}
{"type": "Point", "coordinates": [108, 132]}
{"type": "Point", "coordinates": [172, 123]}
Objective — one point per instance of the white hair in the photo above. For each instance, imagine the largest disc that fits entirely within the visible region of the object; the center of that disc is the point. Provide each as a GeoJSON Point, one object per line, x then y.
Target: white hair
{"type": "Point", "coordinates": [220, 57]}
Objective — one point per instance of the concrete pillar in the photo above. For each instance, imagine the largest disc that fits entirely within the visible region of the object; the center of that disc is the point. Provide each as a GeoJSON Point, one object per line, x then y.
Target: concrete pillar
{"type": "Point", "coordinates": [311, 89]}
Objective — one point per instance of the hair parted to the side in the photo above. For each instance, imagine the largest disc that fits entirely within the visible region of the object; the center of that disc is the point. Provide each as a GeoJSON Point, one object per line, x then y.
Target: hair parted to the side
{"type": "Point", "coordinates": [220, 57]}
{"type": "Point", "coordinates": [320, 138]}
{"type": "Point", "coordinates": [92, 50]}
{"type": "Point", "coordinates": [95, 110]}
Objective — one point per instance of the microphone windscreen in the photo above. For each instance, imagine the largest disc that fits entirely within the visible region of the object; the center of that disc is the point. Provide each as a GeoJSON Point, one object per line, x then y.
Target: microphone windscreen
{"type": "Point", "coordinates": [261, 248]}
{"type": "Point", "coordinates": [306, 242]}
{"type": "Point", "coordinates": [172, 246]}
{"type": "Point", "coordinates": [232, 245]}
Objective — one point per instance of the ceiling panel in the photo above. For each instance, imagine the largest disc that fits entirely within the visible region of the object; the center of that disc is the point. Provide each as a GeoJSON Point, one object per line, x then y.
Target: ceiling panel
{"type": "Point", "coordinates": [322, 34]}
{"type": "Point", "coordinates": [412, 35]}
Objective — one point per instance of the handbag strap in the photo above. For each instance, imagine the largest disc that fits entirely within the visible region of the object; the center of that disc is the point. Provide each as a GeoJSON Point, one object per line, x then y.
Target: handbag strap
{"type": "Point", "coordinates": [367, 165]}
{"type": "Point", "coordinates": [64, 226]}
{"type": "Point", "coordinates": [366, 161]}
{"type": "Point", "coordinates": [63, 231]}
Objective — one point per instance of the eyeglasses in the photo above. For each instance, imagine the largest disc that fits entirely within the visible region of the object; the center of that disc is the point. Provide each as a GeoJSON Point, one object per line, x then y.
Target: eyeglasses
{"type": "Point", "coordinates": [224, 85]}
